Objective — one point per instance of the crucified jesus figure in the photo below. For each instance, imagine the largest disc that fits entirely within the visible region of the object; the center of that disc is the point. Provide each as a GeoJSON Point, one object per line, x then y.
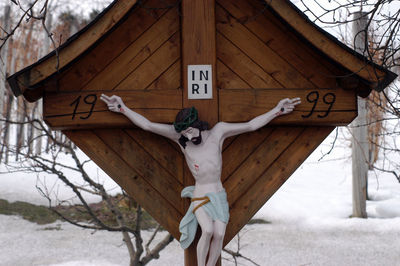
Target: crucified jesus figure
{"type": "Point", "coordinates": [202, 148]}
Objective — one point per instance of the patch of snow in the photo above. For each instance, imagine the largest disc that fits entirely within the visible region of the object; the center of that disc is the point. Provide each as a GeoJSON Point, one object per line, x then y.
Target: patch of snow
{"type": "Point", "coordinates": [309, 218]}
{"type": "Point", "coordinates": [388, 208]}
{"type": "Point", "coordinates": [85, 263]}
{"type": "Point", "coordinates": [330, 242]}
{"type": "Point", "coordinates": [22, 186]}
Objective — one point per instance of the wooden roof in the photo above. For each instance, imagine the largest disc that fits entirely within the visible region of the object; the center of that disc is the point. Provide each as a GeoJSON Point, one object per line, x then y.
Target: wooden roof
{"type": "Point", "coordinates": [29, 80]}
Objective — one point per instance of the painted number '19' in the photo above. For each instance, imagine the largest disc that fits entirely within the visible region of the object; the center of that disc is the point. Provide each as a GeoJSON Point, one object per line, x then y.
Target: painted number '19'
{"type": "Point", "coordinates": [89, 99]}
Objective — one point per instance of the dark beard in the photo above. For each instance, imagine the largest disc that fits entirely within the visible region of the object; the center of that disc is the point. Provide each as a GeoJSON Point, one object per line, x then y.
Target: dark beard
{"type": "Point", "coordinates": [197, 140]}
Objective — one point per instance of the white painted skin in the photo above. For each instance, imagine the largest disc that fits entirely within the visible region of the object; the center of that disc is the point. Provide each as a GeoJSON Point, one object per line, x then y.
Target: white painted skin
{"type": "Point", "coordinates": [204, 161]}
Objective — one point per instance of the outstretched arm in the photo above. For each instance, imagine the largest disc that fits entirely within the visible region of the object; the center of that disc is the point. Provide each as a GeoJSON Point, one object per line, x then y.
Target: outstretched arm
{"type": "Point", "coordinates": [226, 130]}
{"type": "Point", "coordinates": [116, 104]}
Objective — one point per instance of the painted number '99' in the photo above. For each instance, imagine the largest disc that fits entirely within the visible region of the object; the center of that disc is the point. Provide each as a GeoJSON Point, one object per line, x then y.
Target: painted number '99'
{"type": "Point", "coordinates": [313, 97]}
{"type": "Point", "coordinates": [89, 100]}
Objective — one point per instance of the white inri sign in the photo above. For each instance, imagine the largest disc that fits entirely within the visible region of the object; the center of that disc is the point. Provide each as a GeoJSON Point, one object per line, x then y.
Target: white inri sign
{"type": "Point", "coordinates": [199, 82]}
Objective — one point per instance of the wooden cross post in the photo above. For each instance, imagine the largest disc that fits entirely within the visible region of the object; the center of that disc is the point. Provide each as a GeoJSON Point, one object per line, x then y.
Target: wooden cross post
{"type": "Point", "coordinates": [198, 49]}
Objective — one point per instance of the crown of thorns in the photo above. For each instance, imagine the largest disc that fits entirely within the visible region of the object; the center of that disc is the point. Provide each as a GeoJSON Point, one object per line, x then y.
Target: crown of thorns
{"type": "Point", "coordinates": [188, 121]}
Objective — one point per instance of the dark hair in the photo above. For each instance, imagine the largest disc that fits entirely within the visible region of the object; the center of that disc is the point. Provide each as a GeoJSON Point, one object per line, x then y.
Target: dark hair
{"type": "Point", "coordinates": [186, 112]}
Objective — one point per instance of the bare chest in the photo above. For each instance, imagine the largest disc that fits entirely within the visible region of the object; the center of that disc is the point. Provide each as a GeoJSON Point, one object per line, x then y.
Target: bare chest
{"type": "Point", "coordinates": [204, 158]}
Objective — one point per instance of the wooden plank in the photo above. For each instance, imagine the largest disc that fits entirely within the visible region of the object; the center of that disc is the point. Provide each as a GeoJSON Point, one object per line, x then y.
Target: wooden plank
{"type": "Point", "coordinates": [33, 75]}
{"type": "Point", "coordinates": [151, 68]}
{"type": "Point", "coordinates": [107, 119]}
{"type": "Point", "coordinates": [190, 255]}
{"type": "Point", "coordinates": [282, 40]}
{"type": "Point", "coordinates": [93, 63]}
{"type": "Point", "coordinates": [135, 185]}
{"type": "Point", "coordinates": [343, 100]}
{"type": "Point", "coordinates": [259, 52]}
{"type": "Point", "coordinates": [173, 144]}
{"type": "Point", "coordinates": [171, 159]}
{"type": "Point", "coordinates": [243, 66]}
{"type": "Point", "coordinates": [144, 164]}
{"type": "Point", "coordinates": [138, 52]}
{"type": "Point", "coordinates": [86, 110]}
{"type": "Point", "coordinates": [64, 104]}
{"type": "Point", "coordinates": [240, 149]}
{"type": "Point", "coordinates": [198, 48]}
{"type": "Point", "coordinates": [273, 178]}
{"type": "Point", "coordinates": [228, 142]}
{"type": "Point", "coordinates": [227, 79]}
{"type": "Point", "coordinates": [243, 105]}
{"type": "Point", "coordinates": [262, 157]}
{"type": "Point", "coordinates": [170, 79]}
{"type": "Point", "coordinates": [162, 106]}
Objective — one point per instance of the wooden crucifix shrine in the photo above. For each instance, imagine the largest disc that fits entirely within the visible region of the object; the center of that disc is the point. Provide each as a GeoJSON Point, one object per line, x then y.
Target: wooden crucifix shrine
{"type": "Point", "coordinates": [232, 60]}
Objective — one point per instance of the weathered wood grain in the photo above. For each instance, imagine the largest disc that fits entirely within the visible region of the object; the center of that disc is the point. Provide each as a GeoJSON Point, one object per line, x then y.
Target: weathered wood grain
{"type": "Point", "coordinates": [169, 79]}
{"type": "Point", "coordinates": [157, 146]}
{"type": "Point", "coordinates": [244, 66]}
{"type": "Point", "coordinates": [107, 119]}
{"type": "Point", "coordinates": [283, 41]}
{"type": "Point", "coordinates": [240, 149]}
{"type": "Point", "coordinates": [227, 79]}
{"type": "Point", "coordinates": [46, 68]}
{"type": "Point", "coordinates": [198, 48]}
{"type": "Point", "coordinates": [152, 67]}
{"type": "Point", "coordinates": [260, 159]}
{"type": "Point", "coordinates": [92, 63]}
{"type": "Point", "coordinates": [144, 164]}
{"type": "Point", "coordinates": [273, 178]}
{"type": "Point", "coordinates": [134, 184]}
{"type": "Point", "coordinates": [228, 142]}
{"type": "Point", "coordinates": [64, 104]}
{"type": "Point", "coordinates": [68, 111]}
{"type": "Point", "coordinates": [259, 52]}
{"type": "Point", "coordinates": [137, 53]}
{"type": "Point", "coordinates": [235, 106]}
{"type": "Point", "coordinates": [243, 105]}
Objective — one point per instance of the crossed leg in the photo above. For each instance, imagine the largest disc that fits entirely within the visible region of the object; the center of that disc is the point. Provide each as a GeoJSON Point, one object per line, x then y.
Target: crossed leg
{"type": "Point", "coordinates": [211, 231]}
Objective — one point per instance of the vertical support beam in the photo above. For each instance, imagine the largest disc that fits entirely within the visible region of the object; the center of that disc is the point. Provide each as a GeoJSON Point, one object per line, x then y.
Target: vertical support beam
{"type": "Point", "coordinates": [198, 48]}
{"type": "Point", "coordinates": [5, 97]}
{"type": "Point", "coordinates": [360, 130]}
{"type": "Point", "coordinates": [3, 58]}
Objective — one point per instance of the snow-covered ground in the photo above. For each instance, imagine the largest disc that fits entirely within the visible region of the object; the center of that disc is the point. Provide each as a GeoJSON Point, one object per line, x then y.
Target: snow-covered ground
{"type": "Point", "coordinates": [309, 217]}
